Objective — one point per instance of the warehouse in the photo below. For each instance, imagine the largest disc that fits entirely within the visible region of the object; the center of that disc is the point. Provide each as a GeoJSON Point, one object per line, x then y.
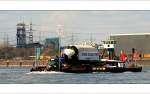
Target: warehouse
{"type": "Point", "coordinates": [128, 42]}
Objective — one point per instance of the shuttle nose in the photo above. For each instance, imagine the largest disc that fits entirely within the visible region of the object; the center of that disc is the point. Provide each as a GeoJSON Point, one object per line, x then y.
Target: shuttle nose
{"type": "Point", "coordinates": [69, 52]}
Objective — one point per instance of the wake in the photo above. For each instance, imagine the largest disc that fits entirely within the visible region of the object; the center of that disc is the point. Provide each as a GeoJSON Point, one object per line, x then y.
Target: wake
{"type": "Point", "coordinates": [46, 72]}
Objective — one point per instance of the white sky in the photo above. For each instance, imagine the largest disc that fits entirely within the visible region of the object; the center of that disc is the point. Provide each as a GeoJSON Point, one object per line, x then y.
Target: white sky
{"type": "Point", "coordinates": [82, 23]}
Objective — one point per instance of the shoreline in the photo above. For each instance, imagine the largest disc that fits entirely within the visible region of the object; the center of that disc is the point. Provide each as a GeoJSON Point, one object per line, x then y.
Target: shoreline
{"type": "Point", "coordinates": [14, 66]}
{"type": "Point", "coordinates": [29, 63]}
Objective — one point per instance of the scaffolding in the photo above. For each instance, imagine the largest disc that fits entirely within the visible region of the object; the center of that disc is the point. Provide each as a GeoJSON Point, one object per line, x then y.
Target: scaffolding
{"type": "Point", "coordinates": [21, 35]}
{"type": "Point", "coordinates": [24, 35]}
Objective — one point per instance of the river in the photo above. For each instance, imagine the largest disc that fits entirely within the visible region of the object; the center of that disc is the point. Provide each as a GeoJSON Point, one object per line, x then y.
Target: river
{"type": "Point", "coordinates": [24, 76]}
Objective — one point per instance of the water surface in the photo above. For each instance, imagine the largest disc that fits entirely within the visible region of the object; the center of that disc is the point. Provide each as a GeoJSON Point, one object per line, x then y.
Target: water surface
{"type": "Point", "coordinates": [24, 76]}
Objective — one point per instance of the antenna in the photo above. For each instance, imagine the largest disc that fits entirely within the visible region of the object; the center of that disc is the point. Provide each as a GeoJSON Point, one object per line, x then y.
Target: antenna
{"type": "Point", "coordinates": [91, 38]}
{"type": "Point", "coordinates": [72, 39]}
{"type": "Point", "coordinates": [7, 40]}
{"type": "Point", "coordinates": [4, 39]}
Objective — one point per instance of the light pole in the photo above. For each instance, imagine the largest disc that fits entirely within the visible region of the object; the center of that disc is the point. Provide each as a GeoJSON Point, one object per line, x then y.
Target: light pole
{"type": "Point", "coordinates": [60, 34]}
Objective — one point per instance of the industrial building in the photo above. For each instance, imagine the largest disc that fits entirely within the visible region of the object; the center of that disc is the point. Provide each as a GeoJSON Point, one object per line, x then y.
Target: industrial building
{"type": "Point", "coordinates": [52, 43]}
{"type": "Point", "coordinates": [24, 36]}
{"type": "Point", "coordinates": [21, 35]}
{"type": "Point", "coordinates": [128, 42]}
{"type": "Point", "coordinates": [33, 45]}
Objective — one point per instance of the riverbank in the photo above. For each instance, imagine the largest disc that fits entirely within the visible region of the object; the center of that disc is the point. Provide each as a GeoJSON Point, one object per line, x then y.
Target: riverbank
{"type": "Point", "coordinates": [30, 63]}
{"type": "Point", "coordinates": [19, 63]}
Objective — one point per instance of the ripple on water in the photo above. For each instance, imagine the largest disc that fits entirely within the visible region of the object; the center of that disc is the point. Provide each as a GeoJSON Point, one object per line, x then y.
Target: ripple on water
{"type": "Point", "coordinates": [23, 75]}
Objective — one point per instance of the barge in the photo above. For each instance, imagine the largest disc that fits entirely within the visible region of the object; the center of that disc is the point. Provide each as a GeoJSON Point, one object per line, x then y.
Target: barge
{"type": "Point", "coordinates": [114, 67]}
{"type": "Point", "coordinates": [86, 59]}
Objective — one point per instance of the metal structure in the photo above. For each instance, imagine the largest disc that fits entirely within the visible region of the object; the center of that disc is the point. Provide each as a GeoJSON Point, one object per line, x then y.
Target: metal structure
{"type": "Point", "coordinates": [21, 35]}
{"type": "Point", "coordinates": [24, 35]}
{"type": "Point", "coordinates": [30, 34]}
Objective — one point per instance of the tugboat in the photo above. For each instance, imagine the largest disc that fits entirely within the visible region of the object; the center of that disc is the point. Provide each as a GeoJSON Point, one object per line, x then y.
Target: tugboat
{"type": "Point", "coordinates": [52, 64]}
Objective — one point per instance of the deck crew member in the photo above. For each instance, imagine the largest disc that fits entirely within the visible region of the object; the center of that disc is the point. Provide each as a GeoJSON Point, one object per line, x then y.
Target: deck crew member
{"type": "Point", "coordinates": [123, 56]}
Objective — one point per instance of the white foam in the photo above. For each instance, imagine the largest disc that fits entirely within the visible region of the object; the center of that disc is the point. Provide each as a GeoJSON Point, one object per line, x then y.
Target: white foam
{"type": "Point", "coordinates": [45, 72]}
{"type": "Point", "coordinates": [128, 72]}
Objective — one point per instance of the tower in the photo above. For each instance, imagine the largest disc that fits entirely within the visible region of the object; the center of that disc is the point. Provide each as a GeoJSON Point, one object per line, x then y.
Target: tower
{"type": "Point", "coordinates": [30, 34]}
{"type": "Point", "coordinates": [21, 35]}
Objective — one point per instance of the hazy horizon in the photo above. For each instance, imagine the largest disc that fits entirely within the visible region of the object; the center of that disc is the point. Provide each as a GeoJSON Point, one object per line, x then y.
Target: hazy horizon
{"type": "Point", "coordinates": [81, 23]}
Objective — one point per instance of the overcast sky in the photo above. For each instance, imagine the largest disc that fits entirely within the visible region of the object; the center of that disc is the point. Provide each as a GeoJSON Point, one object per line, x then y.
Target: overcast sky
{"type": "Point", "coordinates": [83, 24]}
